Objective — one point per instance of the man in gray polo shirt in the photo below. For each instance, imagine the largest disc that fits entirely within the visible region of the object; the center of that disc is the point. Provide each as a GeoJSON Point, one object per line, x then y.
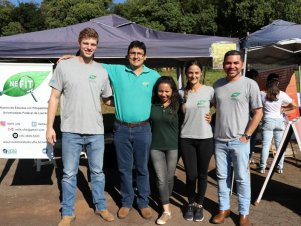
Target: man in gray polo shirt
{"type": "Point", "coordinates": [234, 97]}
{"type": "Point", "coordinates": [78, 84]}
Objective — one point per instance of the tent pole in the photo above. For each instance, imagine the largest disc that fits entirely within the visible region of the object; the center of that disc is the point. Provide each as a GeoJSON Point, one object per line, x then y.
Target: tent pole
{"type": "Point", "coordinates": [299, 73]}
{"type": "Point", "coordinates": [180, 77]}
{"type": "Point", "coordinates": [245, 61]}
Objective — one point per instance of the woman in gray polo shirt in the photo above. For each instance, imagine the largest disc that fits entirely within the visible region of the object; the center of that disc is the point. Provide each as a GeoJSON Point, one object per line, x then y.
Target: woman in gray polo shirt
{"type": "Point", "coordinates": [196, 139]}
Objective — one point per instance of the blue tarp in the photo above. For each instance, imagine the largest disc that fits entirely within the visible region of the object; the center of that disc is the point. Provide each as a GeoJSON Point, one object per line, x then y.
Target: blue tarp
{"type": "Point", "coordinates": [115, 35]}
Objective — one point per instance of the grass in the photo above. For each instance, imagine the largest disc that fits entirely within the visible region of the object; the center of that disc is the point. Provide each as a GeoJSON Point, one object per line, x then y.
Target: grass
{"type": "Point", "coordinates": [210, 75]}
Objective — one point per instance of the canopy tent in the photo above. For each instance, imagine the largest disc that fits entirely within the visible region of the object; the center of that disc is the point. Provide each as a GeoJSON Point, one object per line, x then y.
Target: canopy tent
{"type": "Point", "coordinates": [277, 43]}
{"type": "Point", "coordinates": [163, 48]}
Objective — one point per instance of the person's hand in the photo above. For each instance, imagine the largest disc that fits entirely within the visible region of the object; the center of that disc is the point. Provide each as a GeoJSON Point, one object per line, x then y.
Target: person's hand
{"type": "Point", "coordinates": [243, 139]}
{"type": "Point", "coordinates": [51, 136]}
{"type": "Point", "coordinates": [65, 57]}
{"type": "Point", "coordinates": [208, 117]}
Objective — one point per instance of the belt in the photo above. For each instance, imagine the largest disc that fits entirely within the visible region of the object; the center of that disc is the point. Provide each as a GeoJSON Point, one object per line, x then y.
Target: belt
{"type": "Point", "coordinates": [133, 124]}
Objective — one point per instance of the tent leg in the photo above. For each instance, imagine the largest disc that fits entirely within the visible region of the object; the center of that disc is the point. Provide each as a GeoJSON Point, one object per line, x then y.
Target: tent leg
{"type": "Point", "coordinates": [245, 61]}
{"type": "Point", "coordinates": [180, 77]}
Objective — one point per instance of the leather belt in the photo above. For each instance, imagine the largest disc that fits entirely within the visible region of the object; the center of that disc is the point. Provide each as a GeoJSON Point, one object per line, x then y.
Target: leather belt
{"type": "Point", "coordinates": [133, 124]}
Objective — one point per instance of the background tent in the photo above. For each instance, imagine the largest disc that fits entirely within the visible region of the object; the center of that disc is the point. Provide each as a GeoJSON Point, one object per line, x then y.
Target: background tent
{"type": "Point", "coordinates": [163, 48]}
{"type": "Point", "coordinates": [276, 47]}
{"type": "Point", "coordinates": [277, 43]}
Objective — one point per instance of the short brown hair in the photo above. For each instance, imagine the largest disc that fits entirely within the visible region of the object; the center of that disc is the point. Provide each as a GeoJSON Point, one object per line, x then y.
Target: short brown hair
{"type": "Point", "coordinates": [88, 33]}
{"type": "Point", "coordinates": [234, 53]}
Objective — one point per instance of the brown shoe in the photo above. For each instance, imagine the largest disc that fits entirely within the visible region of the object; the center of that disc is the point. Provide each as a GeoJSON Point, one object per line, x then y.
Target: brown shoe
{"type": "Point", "coordinates": [66, 220]}
{"type": "Point", "coordinates": [219, 218]}
{"type": "Point", "coordinates": [244, 220]}
{"type": "Point", "coordinates": [146, 213]}
{"type": "Point", "coordinates": [106, 215]}
{"type": "Point", "coordinates": [123, 212]}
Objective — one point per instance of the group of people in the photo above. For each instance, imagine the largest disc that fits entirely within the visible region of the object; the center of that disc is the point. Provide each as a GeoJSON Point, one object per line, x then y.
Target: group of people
{"type": "Point", "coordinates": [153, 119]}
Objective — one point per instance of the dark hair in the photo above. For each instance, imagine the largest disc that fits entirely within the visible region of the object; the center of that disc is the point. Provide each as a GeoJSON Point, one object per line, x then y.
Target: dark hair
{"type": "Point", "coordinates": [234, 53]}
{"type": "Point", "coordinates": [252, 74]}
{"type": "Point", "coordinates": [174, 100]}
{"type": "Point", "coordinates": [88, 33]}
{"type": "Point", "coordinates": [137, 44]}
{"type": "Point", "coordinates": [187, 66]}
{"type": "Point", "coordinates": [272, 87]}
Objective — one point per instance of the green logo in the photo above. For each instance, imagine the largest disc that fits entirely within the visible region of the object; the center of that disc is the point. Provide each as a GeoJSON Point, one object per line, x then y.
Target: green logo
{"type": "Point", "coordinates": [201, 103]}
{"type": "Point", "coordinates": [92, 77]}
{"type": "Point", "coordinates": [234, 95]}
{"type": "Point", "coordinates": [23, 83]}
{"type": "Point", "coordinates": [145, 84]}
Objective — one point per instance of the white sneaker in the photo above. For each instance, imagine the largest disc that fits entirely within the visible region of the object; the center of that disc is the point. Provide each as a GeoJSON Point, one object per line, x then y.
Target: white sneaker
{"type": "Point", "coordinates": [164, 218]}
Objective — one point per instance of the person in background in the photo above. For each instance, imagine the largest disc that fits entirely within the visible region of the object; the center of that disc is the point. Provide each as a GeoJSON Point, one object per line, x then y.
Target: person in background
{"type": "Point", "coordinates": [164, 120]}
{"type": "Point", "coordinates": [196, 139]}
{"type": "Point", "coordinates": [275, 103]}
{"type": "Point", "coordinates": [234, 97]}
{"type": "Point", "coordinates": [79, 83]}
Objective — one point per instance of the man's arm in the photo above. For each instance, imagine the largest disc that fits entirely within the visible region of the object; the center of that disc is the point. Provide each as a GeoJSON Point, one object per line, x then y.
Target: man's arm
{"type": "Point", "coordinates": [52, 108]}
{"type": "Point", "coordinates": [257, 115]}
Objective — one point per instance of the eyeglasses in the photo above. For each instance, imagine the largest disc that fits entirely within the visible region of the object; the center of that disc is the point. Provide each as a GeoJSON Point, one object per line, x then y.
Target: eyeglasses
{"type": "Point", "coordinates": [136, 54]}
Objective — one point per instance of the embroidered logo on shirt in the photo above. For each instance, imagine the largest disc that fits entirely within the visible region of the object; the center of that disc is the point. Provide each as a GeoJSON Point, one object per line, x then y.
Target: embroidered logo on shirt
{"type": "Point", "coordinates": [201, 103]}
{"type": "Point", "coordinates": [92, 77]}
{"type": "Point", "coordinates": [234, 95]}
{"type": "Point", "coordinates": [145, 84]}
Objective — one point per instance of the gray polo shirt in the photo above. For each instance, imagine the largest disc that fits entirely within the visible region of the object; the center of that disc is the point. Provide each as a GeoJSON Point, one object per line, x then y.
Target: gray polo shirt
{"type": "Point", "coordinates": [81, 86]}
{"type": "Point", "coordinates": [233, 101]}
{"type": "Point", "coordinates": [197, 106]}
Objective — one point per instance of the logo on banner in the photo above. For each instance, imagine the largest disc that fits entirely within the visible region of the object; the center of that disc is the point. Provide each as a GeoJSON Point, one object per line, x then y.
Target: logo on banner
{"type": "Point", "coordinates": [15, 135]}
{"type": "Point", "coordinates": [9, 151]}
{"type": "Point", "coordinates": [23, 83]}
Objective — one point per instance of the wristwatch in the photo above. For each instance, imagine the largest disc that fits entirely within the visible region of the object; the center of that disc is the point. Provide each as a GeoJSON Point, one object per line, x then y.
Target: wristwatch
{"type": "Point", "coordinates": [246, 136]}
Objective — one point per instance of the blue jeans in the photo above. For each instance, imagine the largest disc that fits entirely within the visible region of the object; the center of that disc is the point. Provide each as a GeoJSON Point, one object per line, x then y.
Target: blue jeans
{"type": "Point", "coordinates": [236, 152]}
{"type": "Point", "coordinates": [165, 163]}
{"type": "Point", "coordinates": [71, 148]}
{"type": "Point", "coordinates": [271, 127]}
{"type": "Point", "coordinates": [132, 148]}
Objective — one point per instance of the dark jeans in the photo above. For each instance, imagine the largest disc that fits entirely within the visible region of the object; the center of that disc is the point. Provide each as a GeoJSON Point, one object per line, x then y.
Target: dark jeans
{"type": "Point", "coordinates": [196, 154]}
{"type": "Point", "coordinates": [132, 148]}
{"type": "Point", "coordinates": [165, 163]}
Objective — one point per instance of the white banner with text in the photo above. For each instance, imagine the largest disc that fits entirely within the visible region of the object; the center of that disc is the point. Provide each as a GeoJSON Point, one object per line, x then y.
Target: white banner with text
{"type": "Point", "coordinates": [24, 95]}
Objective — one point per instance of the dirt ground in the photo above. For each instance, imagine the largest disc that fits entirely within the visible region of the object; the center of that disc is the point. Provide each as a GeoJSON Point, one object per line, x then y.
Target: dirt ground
{"type": "Point", "coordinates": [31, 198]}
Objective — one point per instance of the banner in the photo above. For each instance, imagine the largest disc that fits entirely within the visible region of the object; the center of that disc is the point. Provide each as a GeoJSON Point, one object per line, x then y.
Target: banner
{"type": "Point", "coordinates": [24, 95]}
{"type": "Point", "coordinates": [218, 52]}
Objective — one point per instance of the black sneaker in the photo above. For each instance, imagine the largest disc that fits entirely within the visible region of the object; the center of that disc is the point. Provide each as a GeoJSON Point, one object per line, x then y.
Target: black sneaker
{"type": "Point", "coordinates": [198, 213]}
{"type": "Point", "coordinates": [189, 213]}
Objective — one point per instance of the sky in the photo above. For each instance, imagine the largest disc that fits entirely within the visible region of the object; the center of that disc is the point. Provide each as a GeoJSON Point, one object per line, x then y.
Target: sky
{"type": "Point", "coordinates": [15, 2]}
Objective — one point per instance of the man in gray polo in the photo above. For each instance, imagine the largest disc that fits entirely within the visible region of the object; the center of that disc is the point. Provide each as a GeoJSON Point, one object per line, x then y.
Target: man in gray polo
{"type": "Point", "coordinates": [78, 84]}
{"type": "Point", "coordinates": [234, 97]}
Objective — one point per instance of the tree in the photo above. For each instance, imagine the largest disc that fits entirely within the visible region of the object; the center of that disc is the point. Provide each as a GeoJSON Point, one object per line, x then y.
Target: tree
{"type": "Point", "coordinates": [29, 16]}
{"type": "Point", "coordinates": [12, 28]}
{"type": "Point", "coordinates": [5, 14]}
{"type": "Point", "coordinates": [66, 12]}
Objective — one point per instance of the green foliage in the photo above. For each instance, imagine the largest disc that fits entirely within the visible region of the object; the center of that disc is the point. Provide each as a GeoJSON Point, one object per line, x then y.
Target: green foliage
{"type": "Point", "coordinates": [29, 16]}
{"type": "Point", "coordinates": [60, 13]}
{"type": "Point", "coordinates": [12, 28]}
{"type": "Point", "coordinates": [232, 18]}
